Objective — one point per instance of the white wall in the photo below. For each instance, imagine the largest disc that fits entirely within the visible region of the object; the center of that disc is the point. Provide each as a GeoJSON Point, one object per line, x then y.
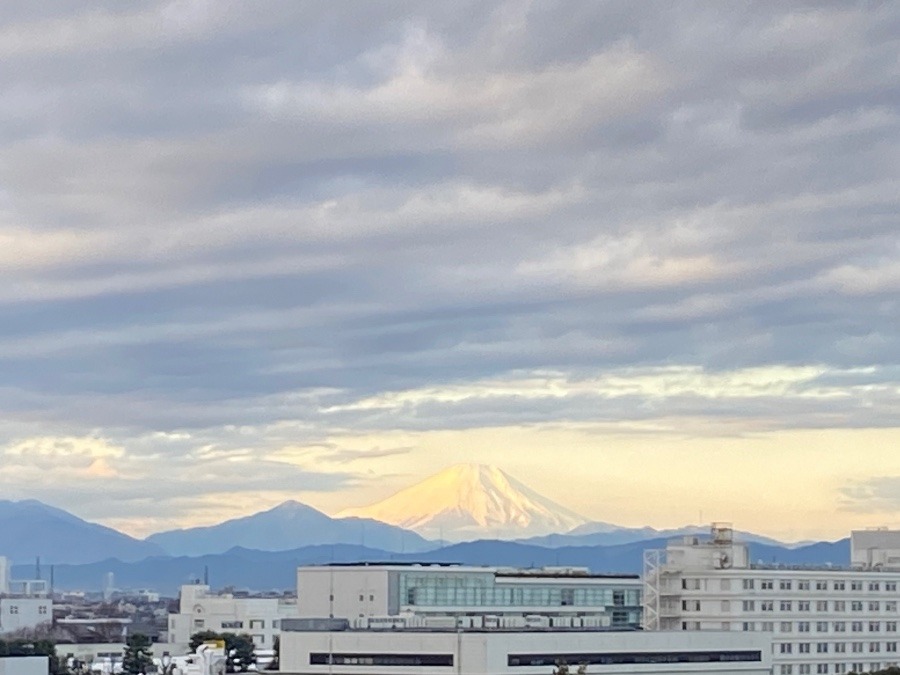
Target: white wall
{"type": "Point", "coordinates": [480, 653]}
{"type": "Point", "coordinates": [24, 665]}
{"type": "Point", "coordinates": [18, 613]}
{"type": "Point", "coordinates": [357, 591]}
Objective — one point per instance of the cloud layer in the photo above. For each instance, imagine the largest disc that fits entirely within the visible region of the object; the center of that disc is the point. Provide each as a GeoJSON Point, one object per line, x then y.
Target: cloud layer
{"type": "Point", "coordinates": [228, 231]}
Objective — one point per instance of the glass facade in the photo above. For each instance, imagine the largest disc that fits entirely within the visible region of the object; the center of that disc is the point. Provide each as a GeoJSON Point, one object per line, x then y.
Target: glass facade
{"type": "Point", "coordinates": [484, 590]}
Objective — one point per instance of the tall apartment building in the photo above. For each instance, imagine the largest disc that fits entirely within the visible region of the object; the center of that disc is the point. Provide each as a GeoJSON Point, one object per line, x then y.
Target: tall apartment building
{"type": "Point", "coordinates": [822, 620]}
{"type": "Point", "coordinates": [549, 596]}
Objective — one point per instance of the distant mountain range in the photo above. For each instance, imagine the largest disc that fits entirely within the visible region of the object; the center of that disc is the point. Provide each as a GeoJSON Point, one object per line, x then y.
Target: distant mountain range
{"type": "Point", "coordinates": [466, 502]}
{"type": "Point", "coordinates": [268, 570]}
{"type": "Point", "coordinates": [284, 527]}
{"type": "Point", "coordinates": [472, 501]}
{"type": "Point", "coordinates": [30, 528]}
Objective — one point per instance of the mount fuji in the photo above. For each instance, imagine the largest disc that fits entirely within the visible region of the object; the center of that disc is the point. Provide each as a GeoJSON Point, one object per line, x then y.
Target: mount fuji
{"type": "Point", "coordinates": [471, 501]}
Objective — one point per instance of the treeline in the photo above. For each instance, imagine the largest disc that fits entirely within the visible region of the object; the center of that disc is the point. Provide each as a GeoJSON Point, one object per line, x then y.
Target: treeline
{"type": "Point", "coordinates": [21, 646]}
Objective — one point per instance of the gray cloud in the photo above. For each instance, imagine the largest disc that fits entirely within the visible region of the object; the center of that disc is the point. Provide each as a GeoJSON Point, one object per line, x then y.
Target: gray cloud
{"type": "Point", "coordinates": [217, 216]}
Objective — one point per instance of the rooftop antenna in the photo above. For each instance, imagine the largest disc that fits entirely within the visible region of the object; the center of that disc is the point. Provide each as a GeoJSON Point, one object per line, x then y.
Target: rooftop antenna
{"type": "Point", "coordinates": [37, 567]}
{"type": "Point", "coordinates": [51, 580]}
{"type": "Point", "coordinates": [206, 575]}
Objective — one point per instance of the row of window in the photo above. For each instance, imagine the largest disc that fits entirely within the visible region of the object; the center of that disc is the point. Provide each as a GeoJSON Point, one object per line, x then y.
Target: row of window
{"type": "Point", "coordinates": [836, 647]}
{"type": "Point", "coordinates": [254, 623]}
{"type": "Point", "coordinates": [820, 585]}
{"type": "Point", "coordinates": [836, 668]}
{"type": "Point", "coordinates": [42, 609]}
{"type": "Point", "coordinates": [696, 584]}
{"type": "Point", "coordinates": [819, 605]}
{"type": "Point", "coordinates": [821, 626]}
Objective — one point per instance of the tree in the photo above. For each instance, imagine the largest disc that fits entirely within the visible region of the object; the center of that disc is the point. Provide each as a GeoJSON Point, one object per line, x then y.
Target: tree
{"type": "Point", "coordinates": [562, 668]}
{"type": "Point", "coordinates": [137, 659]}
{"type": "Point", "coordinates": [198, 639]}
{"type": "Point", "coordinates": [275, 663]}
{"type": "Point", "coordinates": [240, 652]}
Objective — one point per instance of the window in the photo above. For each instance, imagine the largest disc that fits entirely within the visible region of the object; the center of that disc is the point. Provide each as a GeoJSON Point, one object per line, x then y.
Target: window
{"type": "Point", "coordinates": [822, 668]}
{"type": "Point", "coordinates": [821, 626]}
{"type": "Point", "coordinates": [726, 605]}
{"type": "Point", "coordinates": [804, 668]}
{"type": "Point", "coordinates": [690, 605]}
{"type": "Point", "coordinates": [749, 626]}
{"type": "Point", "coordinates": [690, 584]}
{"type": "Point", "coordinates": [748, 605]}
{"type": "Point", "coordinates": [874, 647]}
{"type": "Point", "coordinates": [42, 609]}
{"type": "Point", "coordinates": [873, 586]}
{"type": "Point", "coordinates": [890, 606]}
{"type": "Point", "coordinates": [803, 585]}
{"type": "Point", "coordinates": [786, 626]}
{"type": "Point", "coordinates": [803, 606]}
{"type": "Point", "coordinates": [840, 627]}
{"type": "Point", "coordinates": [361, 597]}
{"type": "Point", "coordinates": [259, 639]}
{"type": "Point", "coordinates": [725, 584]}
{"type": "Point", "coordinates": [821, 585]}
{"type": "Point", "coordinates": [322, 659]}
{"type": "Point", "coordinates": [803, 648]}
{"type": "Point", "coordinates": [840, 647]}
{"type": "Point", "coordinates": [785, 585]}
{"type": "Point", "coordinates": [768, 627]}
{"type": "Point", "coordinates": [840, 606]}
{"type": "Point", "coordinates": [856, 606]}
{"type": "Point", "coordinates": [767, 606]}
{"type": "Point", "coordinates": [13, 609]}
{"type": "Point", "coordinates": [748, 584]}
{"type": "Point", "coordinates": [840, 668]}
{"type": "Point", "coordinates": [803, 626]}
{"type": "Point", "coordinates": [890, 646]}
{"type": "Point", "coordinates": [839, 585]}
{"type": "Point", "coordinates": [856, 647]}
{"type": "Point", "coordinates": [232, 624]}
{"type": "Point", "coordinates": [767, 584]}
{"type": "Point", "coordinates": [874, 606]}
{"type": "Point", "coordinates": [785, 648]}
{"type": "Point", "coordinates": [786, 669]}
{"type": "Point", "coordinates": [890, 626]}
{"type": "Point", "coordinates": [874, 626]}
{"type": "Point", "coordinates": [821, 648]}
{"type": "Point", "coordinates": [856, 626]}
{"type": "Point", "coordinates": [199, 623]}
{"type": "Point", "coordinates": [371, 598]}
{"type": "Point", "coordinates": [890, 586]}
{"type": "Point", "coordinates": [822, 606]}
{"type": "Point", "coordinates": [785, 606]}
{"type": "Point", "coordinates": [257, 623]}
{"type": "Point", "coordinates": [855, 585]}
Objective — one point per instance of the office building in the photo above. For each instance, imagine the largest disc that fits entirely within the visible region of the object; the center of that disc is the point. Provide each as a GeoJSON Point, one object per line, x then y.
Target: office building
{"type": "Point", "coordinates": [559, 596]}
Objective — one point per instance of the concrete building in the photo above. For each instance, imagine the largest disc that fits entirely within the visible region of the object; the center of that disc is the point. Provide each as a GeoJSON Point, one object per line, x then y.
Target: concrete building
{"type": "Point", "coordinates": [201, 610]}
{"type": "Point", "coordinates": [821, 620]}
{"type": "Point", "coordinates": [23, 603]}
{"type": "Point", "coordinates": [466, 652]}
{"type": "Point", "coordinates": [560, 595]}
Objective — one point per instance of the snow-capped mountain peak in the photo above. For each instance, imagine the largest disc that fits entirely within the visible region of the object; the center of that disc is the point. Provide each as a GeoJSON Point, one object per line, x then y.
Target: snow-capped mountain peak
{"type": "Point", "coordinates": [471, 501]}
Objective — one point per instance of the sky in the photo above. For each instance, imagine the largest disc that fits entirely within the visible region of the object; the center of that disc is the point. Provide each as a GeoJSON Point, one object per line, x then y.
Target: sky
{"type": "Point", "coordinates": [642, 256]}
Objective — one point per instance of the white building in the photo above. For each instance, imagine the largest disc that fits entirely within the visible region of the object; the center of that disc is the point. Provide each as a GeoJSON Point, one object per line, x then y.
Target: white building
{"type": "Point", "coordinates": [200, 610]}
{"type": "Point", "coordinates": [365, 591]}
{"type": "Point", "coordinates": [821, 620]}
{"type": "Point", "coordinates": [370, 652]}
{"type": "Point", "coordinates": [23, 603]}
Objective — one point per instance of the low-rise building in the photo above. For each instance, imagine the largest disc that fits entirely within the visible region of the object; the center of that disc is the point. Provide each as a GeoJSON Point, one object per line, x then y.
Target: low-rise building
{"type": "Point", "coordinates": [24, 604]}
{"type": "Point", "coordinates": [529, 652]}
{"type": "Point", "coordinates": [202, 610]}
{"type": "Point", "coordinates": [373, 590]}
